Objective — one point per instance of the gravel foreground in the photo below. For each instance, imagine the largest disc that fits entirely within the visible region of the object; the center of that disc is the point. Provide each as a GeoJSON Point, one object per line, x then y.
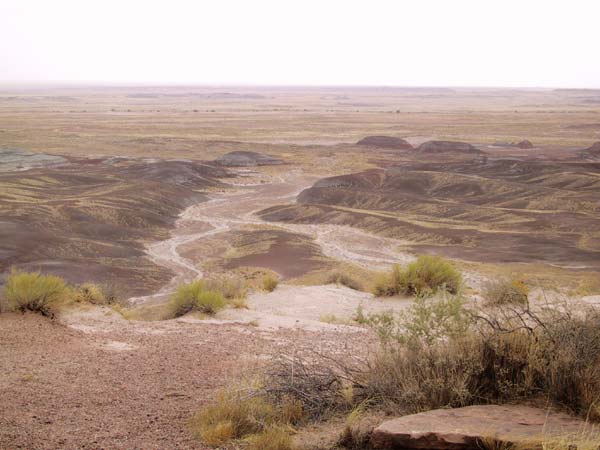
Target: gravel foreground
{"type": "Point", "coordinates": [105, 383]}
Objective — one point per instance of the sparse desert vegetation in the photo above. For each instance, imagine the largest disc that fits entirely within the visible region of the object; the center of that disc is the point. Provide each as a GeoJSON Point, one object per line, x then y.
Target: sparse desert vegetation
{"type": "Point", "coordinates": [243, 414]}
{"type": "Point", "coordinates": [506, 291]}
{"type": "Point", "coordinates": [441, 354]}
{"type": "Point", "coordinates": [32, 291]}
{"type": "Point", "coordinates": [353, 245]}
{"type": "Point", "coordinates": [426, 275]}
{"type": "Point", "coordinates": [269, 283]}
{"type": "Point", "coordinates": [195, 296]}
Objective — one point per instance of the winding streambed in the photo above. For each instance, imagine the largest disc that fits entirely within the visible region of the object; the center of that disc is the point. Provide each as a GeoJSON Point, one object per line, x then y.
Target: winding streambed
{"type": "Point", "coordinates": [231, 210]}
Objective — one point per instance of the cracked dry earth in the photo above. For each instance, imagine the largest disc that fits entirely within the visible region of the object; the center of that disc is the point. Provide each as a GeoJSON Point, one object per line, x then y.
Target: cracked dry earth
{"type": "Point", "coordinates": [105, 383]}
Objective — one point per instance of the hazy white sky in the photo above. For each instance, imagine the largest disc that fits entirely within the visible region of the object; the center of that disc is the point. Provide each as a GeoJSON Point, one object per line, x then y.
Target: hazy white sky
{"type": "Point", "coordinates": [341, 42]}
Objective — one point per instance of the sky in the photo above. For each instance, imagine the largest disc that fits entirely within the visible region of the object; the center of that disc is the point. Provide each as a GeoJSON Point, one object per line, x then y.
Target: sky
{"type": "Point", "coordinates": [524, 43]}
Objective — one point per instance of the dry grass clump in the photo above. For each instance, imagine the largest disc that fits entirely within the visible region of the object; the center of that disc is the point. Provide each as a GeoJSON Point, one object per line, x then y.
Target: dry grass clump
{"type": "Point", "coordinates": [269, 283]}
{"type": "Point", "coordinates": [247, 414]}
{"type": "Point", "coordinates": [96, 294]}
{"type": "Point", "coordinates": [274, 438]}
{"type": "Point", "coordinates": [440, 354]}
{"type": "Point", "coordinates": [425, 276]}
{"type": "Point", "coordinates": [195, 296]}
{"type": "Point", "coordinates": [516, 354]}
{"type": "Point", "coordinates": [232, 287]}
{"type": "Point", "coordinates": [389, 284]}
{"type": "Point", "coordinates": [345, 280]}
{"type": "Point", "coordinates": [32, 291]}
{"type": "Point", "coordinates": [506, 291]}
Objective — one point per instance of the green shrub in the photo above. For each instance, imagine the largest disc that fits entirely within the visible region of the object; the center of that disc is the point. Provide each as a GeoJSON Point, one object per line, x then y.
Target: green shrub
{"type": "Point", "coordinates": [442, 355]}
{"type": "Point", "coordinates": [428, 320]}
{"type": "Point", "coordinates": [31, 291]}
{"type": "Point", "coordinates": [209, 302]}
{"type": "Point", "coordinates": [429, 274]}
{"type": "Point", "coordinates": [425, 276]}
{"type": "Point", "coordinates": [506, 291]}
{"type": "Point", "coordinates": [184, 299]}
{"type": "Point", "coordinates": [388, 284]}
{"type": "Point", "coordinates": [269, 283]}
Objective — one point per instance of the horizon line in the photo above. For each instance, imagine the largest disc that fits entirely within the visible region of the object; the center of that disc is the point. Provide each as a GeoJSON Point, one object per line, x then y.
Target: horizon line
{"type": "Point", "coordinates": [165, 84]}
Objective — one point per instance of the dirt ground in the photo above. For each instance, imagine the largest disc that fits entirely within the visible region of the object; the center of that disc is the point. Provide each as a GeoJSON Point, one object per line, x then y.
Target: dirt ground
{"type": "Point", "coordinates": [96, 381]}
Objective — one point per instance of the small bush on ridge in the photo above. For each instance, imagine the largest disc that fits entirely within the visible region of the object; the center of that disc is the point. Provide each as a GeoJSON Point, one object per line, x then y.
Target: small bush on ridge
{"type": "Point", "coordinates": [183, 300]}
{"type": "Point", "coordinates": [209, 302]}
{"type": "Point", "coordinates": [425, 276]}
{"type": "Point", "coordinates": [32, 291]}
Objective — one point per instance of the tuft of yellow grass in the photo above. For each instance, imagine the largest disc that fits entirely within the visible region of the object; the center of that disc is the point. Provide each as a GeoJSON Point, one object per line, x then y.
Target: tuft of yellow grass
{"type": "Point", "coordinates": [242, 414]}
{"type": "Point", "coordinates": [269, 283]}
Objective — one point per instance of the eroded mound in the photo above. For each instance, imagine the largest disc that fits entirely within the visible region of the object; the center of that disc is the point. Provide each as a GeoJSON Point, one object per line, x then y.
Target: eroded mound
{"type": "Point", "coordinates": [385, 142]}
{"type": "Point", "coordinates": [489, 210]}
{"type": "Point", "coordinates": [447, 147]}
{"type": "Point", "coordinates": [525, 144]}
{"type": "Point", "coordinates": [89, 220]}
{"type": "Point", "coordinates": [247, 159]}
{"type": "Point", "coordinates": [594, 150]}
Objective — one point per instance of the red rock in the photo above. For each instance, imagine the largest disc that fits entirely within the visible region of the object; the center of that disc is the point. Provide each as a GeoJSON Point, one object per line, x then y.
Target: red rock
{"type": "Point", "coordinates": [464, 428]}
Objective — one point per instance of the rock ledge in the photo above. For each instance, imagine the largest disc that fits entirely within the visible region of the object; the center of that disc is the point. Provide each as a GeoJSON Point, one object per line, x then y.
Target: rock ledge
{"type": "Point", "coordinates": [465, 428]}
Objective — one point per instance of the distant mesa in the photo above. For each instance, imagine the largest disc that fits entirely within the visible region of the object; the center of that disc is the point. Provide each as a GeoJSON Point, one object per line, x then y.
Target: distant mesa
{"type": "Point", "coordinates": [447, 146]}
{"type": "Point", "coordinates": [593, 151]}
{"type": "Point", "coordinates": [525, 144]}
{"type": "Point", "coordinates": [247, 159]}
{"type": "Point", "coordinates": [385, 142]}
{"type": "Point", "coordinates": [595, 148]}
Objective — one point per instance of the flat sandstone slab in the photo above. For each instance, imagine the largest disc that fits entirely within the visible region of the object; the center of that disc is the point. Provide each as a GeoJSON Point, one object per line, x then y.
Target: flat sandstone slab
{"type": "Point", "coordinates": [464, 428]}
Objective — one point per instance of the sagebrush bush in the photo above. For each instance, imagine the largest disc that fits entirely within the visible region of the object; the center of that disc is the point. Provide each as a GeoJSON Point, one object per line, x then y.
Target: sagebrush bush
{"type": "Point", "coordinates": [269, 283]}
{"type": "Point", "coordinates": [428, 319]}
{"type": "Point", "coordinates": [441, 354]}
{"type": "Point", "coordinates": [183, 300]}
{"type": "Point", "coordinates": [429, 274]}
{"type": "Point", "coordinates": [209, 302]}
{"type": "Point", "coordinates": [556, 356]}
{"type": "Point", "coordinates": [424, 276]}
{"type": "Point", "coordinates": [388, 284]}
{"type": "Point", "coordinates": [32, 291]}
{"type": "Point", "coordinates": [506, 291]}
